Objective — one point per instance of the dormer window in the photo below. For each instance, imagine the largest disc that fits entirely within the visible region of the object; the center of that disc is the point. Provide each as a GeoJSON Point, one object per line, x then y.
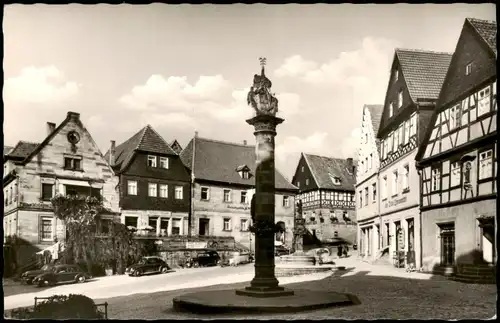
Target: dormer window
{"type": "Point", "coordinates": [243, 171]}
{"type": "Point", "coordinates": [335, 179]}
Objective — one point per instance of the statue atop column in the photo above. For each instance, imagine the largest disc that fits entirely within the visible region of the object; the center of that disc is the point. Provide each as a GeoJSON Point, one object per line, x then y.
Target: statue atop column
{"type": "Point", "coordinates": [260, 97]}
{"type": "Point", "coordinates": [299, 229]}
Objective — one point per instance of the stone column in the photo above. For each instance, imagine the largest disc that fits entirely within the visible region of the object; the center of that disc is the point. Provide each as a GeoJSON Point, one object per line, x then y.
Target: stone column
{"type": "Point", "coordinates": [264, 284]}
{"type": "Point", "coordinates": [158, 226]}
{"type": "Point", "coordinates": [169, 227]}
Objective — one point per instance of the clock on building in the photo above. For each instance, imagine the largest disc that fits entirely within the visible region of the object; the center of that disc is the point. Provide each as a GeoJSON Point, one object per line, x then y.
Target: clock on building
{"type": "Point", "coordinates": [73, 137]}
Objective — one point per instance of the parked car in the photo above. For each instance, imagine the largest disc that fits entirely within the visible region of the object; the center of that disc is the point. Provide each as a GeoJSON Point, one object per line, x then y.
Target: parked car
{"type": "Point", "coordinates": [28, 276]}
{"type": "Point", "coordinates": [239, 257]}
{"type": "Point", "coordinates": [281, 251]}
{"type": "Point", "coordinates": [147, 265]}
{"type": "Point", "coordinates": [205, 258]}
{"type": "Point", "coordinates": [62, 274]}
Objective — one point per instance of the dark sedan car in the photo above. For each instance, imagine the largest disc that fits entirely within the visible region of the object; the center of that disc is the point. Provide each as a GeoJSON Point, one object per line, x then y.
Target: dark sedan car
{"type": "Point", "coordinates": [27, 276]}
{"type": "Point", "coordinates": [206, 258]}
{"type": "Point", "coordinates": [62, 274]}
{"type": "Point", "coordinates": [147, 265]}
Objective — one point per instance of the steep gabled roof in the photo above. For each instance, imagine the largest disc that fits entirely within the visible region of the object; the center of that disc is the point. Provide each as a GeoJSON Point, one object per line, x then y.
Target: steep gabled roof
{"type": "Point", "coordinates": [22, 149]}
{"type": "Point", "coordinates": [176, 146]}
{"type": "Point", "coordinates": [6, 149]}
{"type": "Point", "coordinates": [423, 71]}
{"type": "Point", "coordinates": [219, 161]}
{"type": "Point", "coordinates": [376, 111]}
{"type": "Point", "coordinates": [487, 30]}
{"type": "Point", "coordinates": [147, 140]}
{"type": "Point", "coordinates": [324, 169]}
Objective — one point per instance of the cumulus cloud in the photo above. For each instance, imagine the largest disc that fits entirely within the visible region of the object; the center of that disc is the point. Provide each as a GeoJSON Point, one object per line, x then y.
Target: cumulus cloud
{"type": "Point", "coordinates": [212, 97]}
{"type": "Point", "coordinates": [39, 85]}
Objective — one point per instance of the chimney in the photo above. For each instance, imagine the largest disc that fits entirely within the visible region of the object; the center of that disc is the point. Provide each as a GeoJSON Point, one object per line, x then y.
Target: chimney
{"type": "Point", "coordinates": [112, 153]}
{"type": "Point", "coordinates": [244, 142]}
{"type": "Point", "coordinates": [196, 134]}
{"type": "Point", "coordinates": [350, 164]}
{"type": "Point", "coordinates": [50, 127]}
{"type": "Point", "coordinates": [73, 116]}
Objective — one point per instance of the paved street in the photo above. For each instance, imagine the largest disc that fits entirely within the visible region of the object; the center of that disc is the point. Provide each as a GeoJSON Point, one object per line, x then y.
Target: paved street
{"type": "Point", "coordinates": [384, 292]}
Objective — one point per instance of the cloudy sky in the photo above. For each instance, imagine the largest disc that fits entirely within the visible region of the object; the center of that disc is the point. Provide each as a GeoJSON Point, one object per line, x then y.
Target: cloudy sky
{"type": "Point", "coordinates": [184, 68]}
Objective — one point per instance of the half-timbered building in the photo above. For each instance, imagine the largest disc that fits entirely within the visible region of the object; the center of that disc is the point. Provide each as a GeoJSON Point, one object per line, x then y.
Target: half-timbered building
{"type": "Point", "coordinates": [326, 189]}
{"type": "Point", "coordinates": [414, 84]}
{"type": "Point", "coordinates": [367, 186]}
{"type": "Point", "coordinates": [457, 158]}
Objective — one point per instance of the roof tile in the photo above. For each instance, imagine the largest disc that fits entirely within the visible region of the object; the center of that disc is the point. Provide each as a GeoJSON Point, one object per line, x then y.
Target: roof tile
{"type": "Point", "coordinates": [218, 161]}
{"type": "Point", "coordinates": [324, 168]}
{"type": "Point", "coordinates": [424, 71]}
{"type": "Point", "coordinates": [487, 30]}
{"type": "Point", "coordinates": [23, 149]}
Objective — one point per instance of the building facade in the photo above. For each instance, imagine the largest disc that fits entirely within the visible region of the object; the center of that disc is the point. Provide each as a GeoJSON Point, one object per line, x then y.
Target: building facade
{"type": "Point", "coordinates": [222, 188]}
{"type": "Point", "coordinates": [326, 189]}
{"type": "Point", "coordinates": [66, 162]}
{"type": "Point", "coordinates": [367, 185]}
{"type": "Point", "coordinates": [458, 158]}
{"type": "Point", "coordinates": [154, 185]}
{"type": "Point", "coordinates": [414, 85]}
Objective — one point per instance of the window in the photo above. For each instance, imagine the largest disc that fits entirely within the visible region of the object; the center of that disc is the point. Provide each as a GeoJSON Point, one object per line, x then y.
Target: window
{"type": "Point", "coordinates": [286, 201]}
{"type": "Point", "coordinates": [360, 199]}
{"type": "Point", "coordinates": [131, 221]}
{"type": "Point", "coordinates": [396, 140]}
{"type": "Point", "coordinates": [382, 149]}
{"type": "Point", "coordinates": [401, 133]}
{"type": "Point", "coordinates": [370, 161]}
{"type": "Point", "coordinates": [400, 99]}
{"type": "Point", "coordinates": [205, 193]}
{"type": "Point", "coordinates": [302, 169]}
{"type": "Point", "coordinates": [391, 142]}
{"type": "Point", "coordinates": [468, 69]}
{"type": "Point", "coordinates": [396, 75]}
{"type": "Point", "coordinates": [227, 224]}
{"type": "Point", "coordinates": [307, 181]}
{"type": "Point", "coordinates": [245, 174]}
{"type": "Point", "coordinates": [153, 221]}
{"type": "Point", "coordinates": [386, 148]}
{"type": "Point", "coordinates": [483, 101]}
{"type": "Point", "coordinates": [179, 193]}
{"type": "Point", "coordinates": [391, 109]}
{"type": "Point", "coordinates": [395, 183]}
{"type": "Point", "coordinates": [244, 225]}
{"type": "Point", "coordinates": [374, 192]}
{"type": "Point", "coordinates": [164, 190]}
{"type": "Point", "coordinates": [366, 164]}
{"type": "Point", "coordinates": [132, 188]}
{"type": "Point", "coordinates": [72, 163]}
{"type": "Point", "coordinates": [485, 164]}
{"type": "Point", "coordinates": [366, 196]}
{"type": "Point", "coordinates": [413, 126]}
{"type": "Point", "coordinates": [227, 195]}
{"type": "Point", "coordinates": [455, 174]}
{"type": "Point", "coordinates": [176, 227]}
{"type": "Point", "coordinates": [455, 117]}
{"type": "Point", "coordinates": [406, 135]}
{"type": "Point", "coordinates": [243, 197]}
{"type": "Point", "coordinates": [151, 161]}
{"type": "Point", "coordinates": [298, 184]}
{"type": "Point", "coordinates": [46, 229]}
{"type": "Point", "coordinates": [384, 187]}
{"type": "Point", "coordinates": [152, 189]}
{"type": "Point", "coordinates": [406, 177]}
{"type": "Point", "coordinates": [436, 180]}
{"type": "Point", "coordinates": [47, 190]}
{"type": "Point", "coordinates": [163, 162]}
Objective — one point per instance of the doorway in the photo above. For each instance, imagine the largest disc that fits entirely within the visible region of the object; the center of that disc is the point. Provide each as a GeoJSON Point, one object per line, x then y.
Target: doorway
{"type": "Point", "coordinates": [204, 227]}
{"type": "Point", "coordinates": [487, 226]}
{"type": "Point", "coordinates": [447, 244]}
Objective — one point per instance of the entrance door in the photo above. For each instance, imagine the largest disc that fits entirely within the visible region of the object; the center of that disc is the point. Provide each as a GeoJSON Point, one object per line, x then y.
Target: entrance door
{"type": "Point", "coordinates": [448, 245]}
{"type": "Point", "coordinates": [399, 233]}
{"type": "Point", "coordinates": [487, 236]}
{"type": "Point", "coordinates": [204, 227]}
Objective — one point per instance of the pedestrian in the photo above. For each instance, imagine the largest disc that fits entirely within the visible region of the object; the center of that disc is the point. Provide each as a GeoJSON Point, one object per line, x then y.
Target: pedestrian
{"type": "Point", "coordinates": [339, 251]}
{"type": "Point", "coordinates": [345, 250]}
